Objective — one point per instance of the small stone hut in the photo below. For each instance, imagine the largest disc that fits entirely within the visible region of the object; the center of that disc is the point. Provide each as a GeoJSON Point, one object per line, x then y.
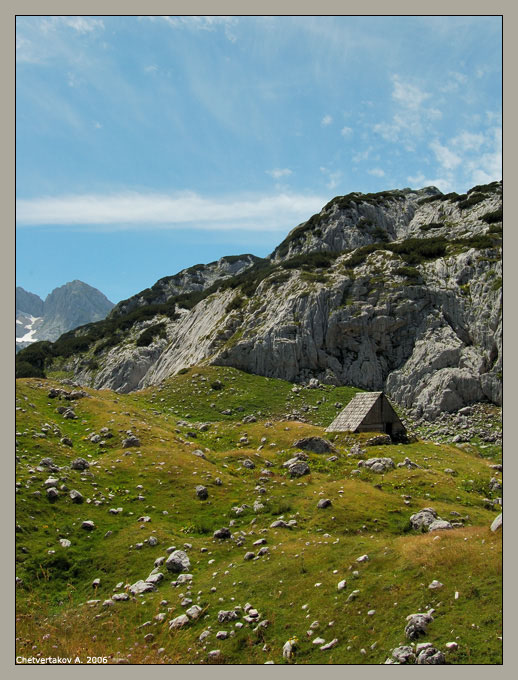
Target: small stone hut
{"type": "Point", "coordinates": [368, 412]}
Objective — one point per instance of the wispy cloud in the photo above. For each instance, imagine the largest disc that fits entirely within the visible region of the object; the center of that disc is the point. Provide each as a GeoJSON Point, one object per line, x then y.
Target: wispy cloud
{"type": "Point", "coordinates": [346, 131]}
{"type": "Point", "coordinates": [468, 141]}
{"type": "Point", "coordinates": [133, 210]}
{"type": "Point", "coordinates": [326, 120]}
{"type": "Point", "coordinates": [376, 172]}
{"type": "Point", "coordinates": [361, 156]}
{"type": "Point", "coordinates": [79, 24]}
{"type": "Point", "coordinates": [333, 176]}
{"type": "Point", "coordinates": [277, 173]}
{"type": "Point", "coordinates": [25, 51]}
{"type": "Point", "coordinates": [410, 115]}
{"type": "Point", "coordinates": [445, 156]}
{"type": "Point", "coordinates": [200, 23]}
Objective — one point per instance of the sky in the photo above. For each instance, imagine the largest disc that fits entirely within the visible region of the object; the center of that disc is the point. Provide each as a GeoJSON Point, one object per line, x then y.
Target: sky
{"type": "Point", "coordinates": [145, 145]}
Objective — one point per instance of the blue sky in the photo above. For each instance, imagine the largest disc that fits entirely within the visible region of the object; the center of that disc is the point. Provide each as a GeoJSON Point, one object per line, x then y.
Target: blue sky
{"type": "Point", "coordinates": [149, 144]}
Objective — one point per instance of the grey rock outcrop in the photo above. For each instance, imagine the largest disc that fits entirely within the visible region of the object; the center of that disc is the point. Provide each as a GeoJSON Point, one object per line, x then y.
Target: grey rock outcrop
{"type": "Point", "coordinates": [425, 329]}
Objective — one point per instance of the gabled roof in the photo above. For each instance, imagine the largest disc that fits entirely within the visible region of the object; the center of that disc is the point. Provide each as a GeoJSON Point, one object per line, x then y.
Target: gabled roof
{"type": "Point", "coordinates": [355, 412]}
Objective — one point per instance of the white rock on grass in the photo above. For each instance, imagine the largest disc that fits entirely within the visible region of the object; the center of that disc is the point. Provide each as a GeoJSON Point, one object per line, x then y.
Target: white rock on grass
{"type": "Point", "coordinates": [329, 645]}
{"type": "Point", "coordinates": [194, 612]}
{"type": "Point", "coordinates": [497, 523]}
{"type": "Point", "coordinates": [342, 585]}
{"type": "Point", "coordinates": [179, 622]}
{"type": "Point", "coordinates": [154, 578]}
{"type": "Point", "coordinates": [142, 587]}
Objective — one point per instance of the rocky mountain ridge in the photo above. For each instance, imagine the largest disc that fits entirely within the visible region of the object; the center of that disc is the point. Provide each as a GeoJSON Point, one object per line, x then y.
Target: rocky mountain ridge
{"type": "Point", "coordinates": [399, 291]}
{"type": "Point", "coordinates": [65, 308]}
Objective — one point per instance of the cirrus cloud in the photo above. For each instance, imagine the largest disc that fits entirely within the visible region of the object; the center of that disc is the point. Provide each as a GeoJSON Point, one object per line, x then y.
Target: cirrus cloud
{"type": "Point", "coordinates": [132, 210]}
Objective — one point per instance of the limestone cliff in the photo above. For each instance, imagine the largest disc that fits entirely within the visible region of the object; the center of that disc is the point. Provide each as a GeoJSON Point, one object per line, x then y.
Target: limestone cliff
{"type": "Point", "coordinates": [399, 291]}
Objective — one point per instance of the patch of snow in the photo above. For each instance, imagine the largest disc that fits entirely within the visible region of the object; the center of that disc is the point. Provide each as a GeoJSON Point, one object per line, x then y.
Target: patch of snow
{"type": "Point", "coordinates": [28, 336]}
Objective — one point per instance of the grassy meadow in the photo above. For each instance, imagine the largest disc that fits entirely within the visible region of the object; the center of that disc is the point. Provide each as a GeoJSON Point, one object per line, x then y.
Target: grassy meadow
{"type": "Point", "coordinates": [293, 585]}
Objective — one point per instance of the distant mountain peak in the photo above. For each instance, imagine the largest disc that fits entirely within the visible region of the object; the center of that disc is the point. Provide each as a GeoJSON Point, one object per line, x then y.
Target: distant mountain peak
{"type": "Point", "coordinates": [68, 306]}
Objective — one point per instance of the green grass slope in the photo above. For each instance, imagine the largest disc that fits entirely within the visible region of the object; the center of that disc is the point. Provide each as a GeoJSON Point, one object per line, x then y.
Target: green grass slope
{"type": "Point", "coordinates": [295, 583]}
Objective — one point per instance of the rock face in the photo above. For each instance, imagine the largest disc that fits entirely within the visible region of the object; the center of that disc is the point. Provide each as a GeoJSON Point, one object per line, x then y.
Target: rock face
{"type": "Point", "coordinates": [398, 291]}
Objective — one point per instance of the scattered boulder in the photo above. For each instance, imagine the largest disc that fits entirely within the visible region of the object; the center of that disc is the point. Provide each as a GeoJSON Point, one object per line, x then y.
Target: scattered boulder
{"type": "Point", "coordinates": [120, 597]}
{"type": "Point", "coordinates": [194, 612]}
{"type": "Point", "coordinates": [88, 525]}
{"type": "Point", "coordinates": [440, 524]}
{"type": "Point", "coordinates": [279, 523]}
{"type": "Point", "coordinates": [227, 615]}
{"type": "Point", "coordinates": [417, 625]}
{"type": "Point", "coordinates": [298, 457]}
{"type": "Point", "coordinates": [52, 493]}
{"type": "Point", "coordinates": [222, 533]}
{"type": "Point", "coordinates": [179, 622]}
{"type": "Point", "coordinates": [80, 464]}
{"type": "Point", "coordinates": [76, 496]}
{"type": "Point", "coordinates": [201, 492]}
{"type": "Point", "coordinates": [178, 561]}
{"type": "Point", "coordinates": [379, 465]}
{"type": "Point", "coordinates": [299, 469]}
{"type": "Point", "coordinates": [431, 656]}
{"type": "Point", "coordinates": [423, 519]}
{"type": "Point", "coordinates": [142, 587]}
{"type": "Point", "coordinates": [155, 578]}
{"type": "Point", "coordinates": [324, 503]}
{"type": "Point", "coordinates": [314, 444]}
{"type": "Point", "coordinates": [378, 440]}
{"type": "Point", "coordinates": [49, 463]}
{"type": "Point", "coordinates": [248, 464]}
{"type": "Point", "coordinates": [404, 654]}
{"type": "Point", "coordinates": [497, 523]}
{"type": "Point", "coordinates": [329, 645]}
{"type": "Point", "coordinates": [130, 441]}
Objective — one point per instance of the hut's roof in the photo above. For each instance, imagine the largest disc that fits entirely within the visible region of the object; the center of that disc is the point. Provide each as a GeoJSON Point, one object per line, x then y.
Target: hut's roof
{"type": "Point", "coordinates": [355, 411]}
